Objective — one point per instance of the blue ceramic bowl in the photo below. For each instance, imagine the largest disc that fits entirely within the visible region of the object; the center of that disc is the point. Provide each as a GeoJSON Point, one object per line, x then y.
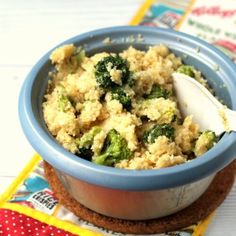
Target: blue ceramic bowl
{"type": "Point", "coordinates": [193, 51]}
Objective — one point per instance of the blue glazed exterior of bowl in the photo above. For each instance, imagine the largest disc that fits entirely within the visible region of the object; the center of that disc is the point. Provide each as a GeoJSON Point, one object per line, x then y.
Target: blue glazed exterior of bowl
{"type": "Point", "coordinates": [192, 50]}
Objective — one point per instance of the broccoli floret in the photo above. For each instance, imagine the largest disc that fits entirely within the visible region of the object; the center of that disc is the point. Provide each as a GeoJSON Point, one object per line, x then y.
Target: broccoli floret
{"type": "Point", "coordinates": [64, 103]}
{"type": "Point", "coordinates": [86, 141]}
{"type": "Point", "coordinates": [157, 109]}
{"type": "Point", "coordinates": [157, 92]}
{"type": "Point", "coordinates": [187, 70]}
{"type": "Point", "coordinates": [122, 97]}
{"type": "Point", "coordinates": [158, 130]}
{"type": "Point", "coordinates": [114, 150]}
{"type": "Point", "coordinates": [79, 54]}
{"type": "Point", "coordinates": [103, 76]}
{"type": "Point", "coordinates": [86, 153]}
{"type": "Point", "coordinates": [130, 79]}
{"type": "Point", "coordinates": [204, 142]}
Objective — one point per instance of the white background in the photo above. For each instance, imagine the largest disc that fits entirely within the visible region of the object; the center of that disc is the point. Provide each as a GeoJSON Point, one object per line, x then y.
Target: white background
{"type": "Point", "coordinates": [30, 28]}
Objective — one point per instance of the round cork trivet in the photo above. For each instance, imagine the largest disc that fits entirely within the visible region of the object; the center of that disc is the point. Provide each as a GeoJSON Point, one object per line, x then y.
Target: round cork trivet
{"type": "Point", "coordinates": [200, 209]}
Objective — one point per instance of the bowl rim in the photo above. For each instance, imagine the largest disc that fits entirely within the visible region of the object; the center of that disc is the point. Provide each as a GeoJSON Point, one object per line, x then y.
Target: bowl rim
{"type": "Point", "coordinates": [136, 180]}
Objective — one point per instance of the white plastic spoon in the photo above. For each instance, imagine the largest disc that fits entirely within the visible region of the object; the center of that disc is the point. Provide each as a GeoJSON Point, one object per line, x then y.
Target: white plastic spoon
{"type": "Point", "coordinates": [194, 99]}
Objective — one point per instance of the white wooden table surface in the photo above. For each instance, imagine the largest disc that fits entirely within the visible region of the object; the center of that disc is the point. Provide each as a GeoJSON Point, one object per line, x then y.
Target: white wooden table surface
{"type": "Point", "coordinates": [30, 28]}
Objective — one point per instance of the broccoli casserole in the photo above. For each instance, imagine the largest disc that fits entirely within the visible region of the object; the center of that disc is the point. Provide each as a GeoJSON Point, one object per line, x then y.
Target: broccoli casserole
{"type": "Point", "coordinates": [120, 110]}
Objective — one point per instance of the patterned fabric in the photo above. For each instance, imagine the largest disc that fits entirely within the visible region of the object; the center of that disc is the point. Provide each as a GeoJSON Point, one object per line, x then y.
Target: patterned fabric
{"type": "Point", "coordinates": [211, 21]}
{"type": "Point", "coordinates": [13, 223]}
